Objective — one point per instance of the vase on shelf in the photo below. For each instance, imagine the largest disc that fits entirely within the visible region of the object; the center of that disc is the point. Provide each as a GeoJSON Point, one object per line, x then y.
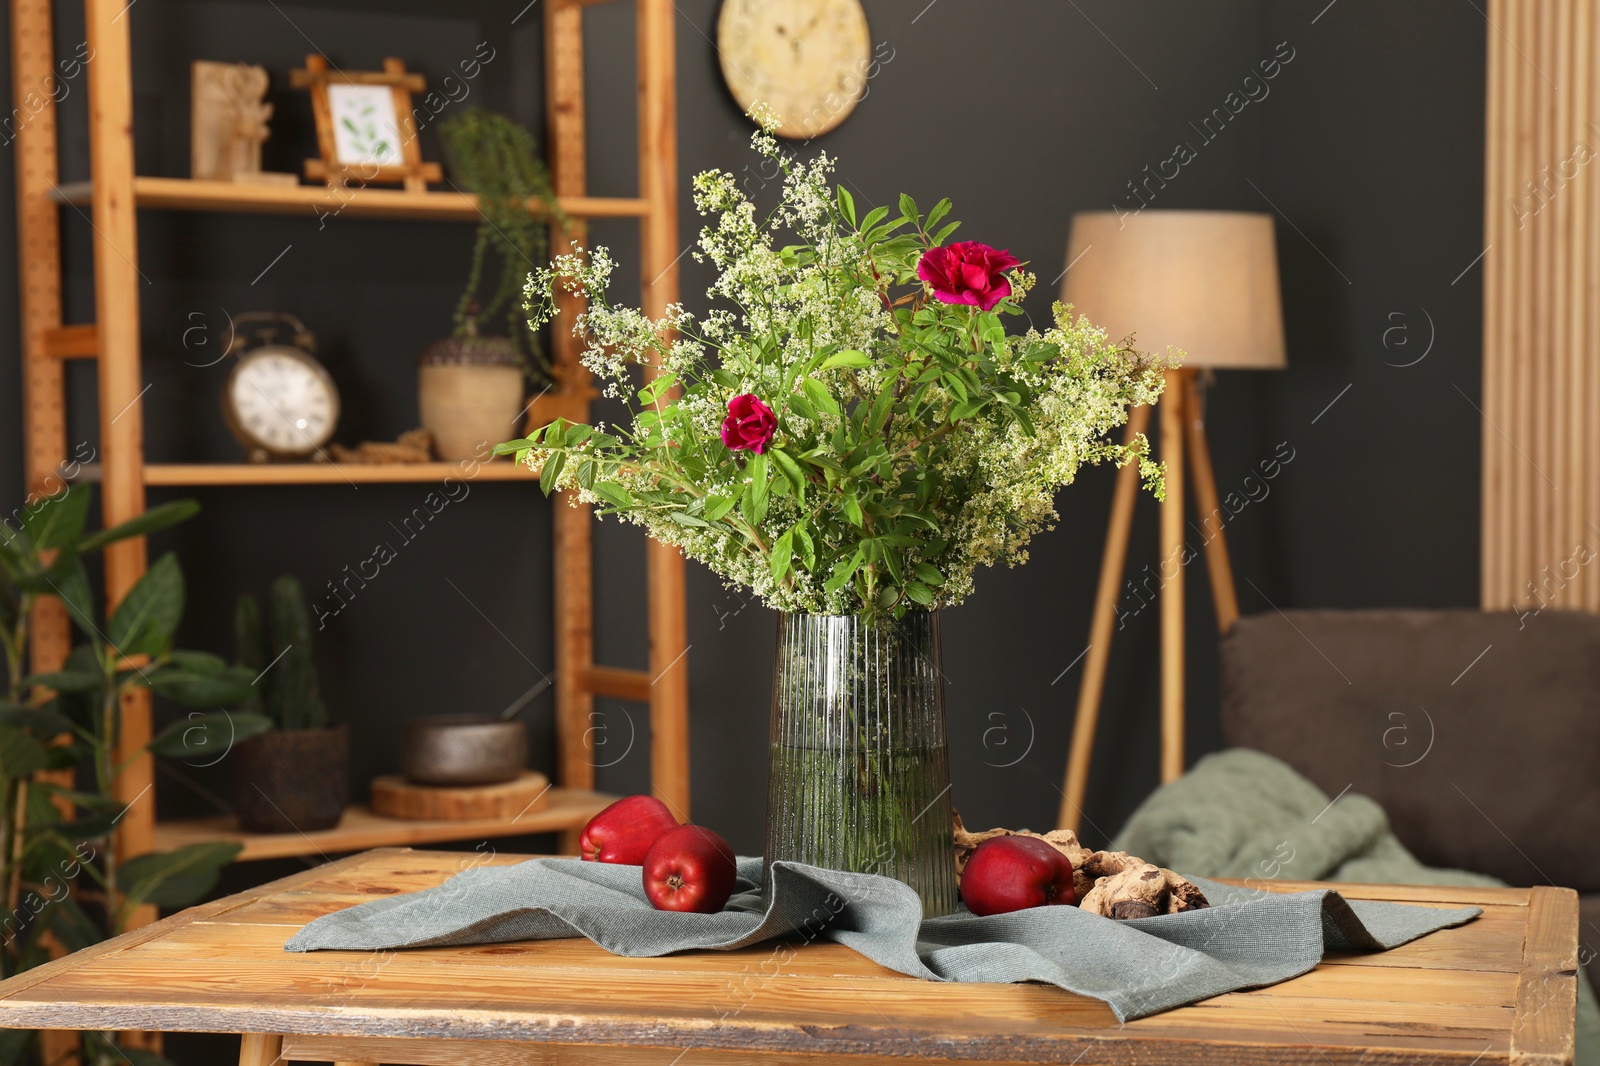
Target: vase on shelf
{"type": "Point", "coordinates": [860, 775]}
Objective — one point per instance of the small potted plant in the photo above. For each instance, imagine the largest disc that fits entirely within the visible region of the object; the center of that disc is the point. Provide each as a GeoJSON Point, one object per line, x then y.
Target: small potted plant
{"type": "Point", "coordinates": [471, 385]}
{"type": "Point", "coordinates": [296, 776]}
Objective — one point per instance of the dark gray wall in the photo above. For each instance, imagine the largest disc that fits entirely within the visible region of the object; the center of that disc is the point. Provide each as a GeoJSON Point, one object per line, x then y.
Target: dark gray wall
{"type": "Point", "coordinates": [1368, 144]}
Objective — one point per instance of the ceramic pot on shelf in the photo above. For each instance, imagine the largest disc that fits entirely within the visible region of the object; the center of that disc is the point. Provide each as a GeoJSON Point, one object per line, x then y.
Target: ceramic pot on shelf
{"type": "Point", "coordinates": [470, 392]}
{"type": "Point", "coordinates": [292, 780]}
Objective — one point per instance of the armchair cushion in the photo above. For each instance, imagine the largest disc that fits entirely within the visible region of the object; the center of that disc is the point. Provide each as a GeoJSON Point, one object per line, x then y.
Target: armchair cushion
{"type": "Point", "coordinates": [1478, 732]}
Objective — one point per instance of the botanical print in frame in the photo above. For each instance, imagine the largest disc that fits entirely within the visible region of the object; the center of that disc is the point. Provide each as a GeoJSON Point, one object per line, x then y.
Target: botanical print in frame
{"type": "Point", "coordinates": [366, 130]}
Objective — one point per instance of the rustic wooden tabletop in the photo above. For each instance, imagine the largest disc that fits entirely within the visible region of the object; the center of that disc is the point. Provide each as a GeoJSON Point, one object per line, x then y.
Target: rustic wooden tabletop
{"type": "Point", "coordinates": [1500, 989]}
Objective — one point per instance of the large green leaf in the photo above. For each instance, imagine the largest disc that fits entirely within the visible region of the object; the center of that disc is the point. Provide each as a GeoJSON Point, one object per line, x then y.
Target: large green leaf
{"type": "Point", "coordinates": [71, 583]}
{"type": "Point", "coordinates": [67, 681]}
{"type": "Point", "coordinates": [156, 518]}
{"type": "Point", "coordinates": [147, 616]}
{"type": "Point", "coordinates": [207, 687]}
{"type": "Point", "coordinates": [175, 878]}
{"type": "Point", "coordinates": [56, 521]}
{"type": "Point", "coordinates": [72, 925]}
{"type": "Point", "coordinates": [20, 753]}
{"type": "Point", "coordinates": [40, 721]}
{"type": "Point", "coordinates": [208, 736]}
{"type": "Point", "coordinates": [86, 827]}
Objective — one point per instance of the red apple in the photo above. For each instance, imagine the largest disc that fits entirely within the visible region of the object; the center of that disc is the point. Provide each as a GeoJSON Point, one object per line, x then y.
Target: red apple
{"type": "Point", "coordinates": [1010, 873]}
{"type": "Point", "coordinates": [689, 868]}
{"type": "Point", "coordinates": [624, 831]}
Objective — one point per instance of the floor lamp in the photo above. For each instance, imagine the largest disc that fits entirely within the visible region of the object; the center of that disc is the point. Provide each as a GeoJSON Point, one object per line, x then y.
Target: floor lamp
{"type": "Point", "coordinates": [1205, 282]}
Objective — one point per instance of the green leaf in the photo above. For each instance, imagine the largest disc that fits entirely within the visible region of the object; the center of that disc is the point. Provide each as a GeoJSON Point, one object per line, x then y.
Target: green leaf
{"type": "Point", "coordinates": [144, 621]}
{"type": "Point", "coordinates": [790, 469]}
{"type": "Point", "coordinates": [782, 555]}
{"type": "Point", "coordinates": [614, 494]}
{"type": "Point", "coordinates": [88, 826]}
{"type": "Point", "coordinates": [72, 586]}
{"type": "Point", "coordinates": [819, 395]}
{"type": "Point", "coordinates": [176, 878]}
{"type": "Point", "coordinates": [157, 518]}
{"type": "Point", "coordinates": [851, 508]}
{"type": "Point", "coordinates": [20, 753]}
{"type": "Point", "coordinates": [716, 507]}
{"type": "Point", "coordinates": [908, 207]}
{"type": "Point", "coordinates": [875, 216]}
{"type": "Point", "coordinates": [753, 503]}
{"type": "Point", "coordinates": [929, 574]}
{"type": "Point", "coordinates": [208, 736]}
{"type": "Point", "coordinates": [202, 661]}
{"type": "Point", "coordinates": [847, 205]}
{"type": "Point", "coordinates": [843, 570]}
{"type": "Point", "coordinates": [549, 476]}
{"type": "Point", "coordinates": [67, 681]}
{"type": "Point", "coordinates": [940, 209]}
{"type": "Point", "coordinates": [940, 237]}
{"type": "Point", "coordinates": [854, 360]}
{"type": "Point", "coordinates": [222, 687]}
{"type": "Point", "coordinates": [40, 721]}
{"type": "Point", "coordinates": [919, 593]}
{"type": "Point", "coordinates": [57, 521]}
{"type": "Point", "coordinates": [808, 550]}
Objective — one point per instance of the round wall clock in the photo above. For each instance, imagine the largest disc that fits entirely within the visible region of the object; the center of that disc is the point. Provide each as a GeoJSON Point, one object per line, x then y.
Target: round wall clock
{"type": "Point", "coordinates": [808, 60]}
{"type": "Point", "coordinates": [279, 402]}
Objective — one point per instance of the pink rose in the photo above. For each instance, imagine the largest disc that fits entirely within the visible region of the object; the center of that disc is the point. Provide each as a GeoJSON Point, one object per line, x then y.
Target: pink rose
{"type": "Point", "coordinates": [749, 425]}
{"type": "Point", "coordinates": [968, 273]}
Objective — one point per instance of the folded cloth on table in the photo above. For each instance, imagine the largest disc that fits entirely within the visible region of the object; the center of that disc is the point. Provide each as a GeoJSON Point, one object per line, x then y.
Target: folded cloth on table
{"type": "Point", "coordinates": [1246, 939]}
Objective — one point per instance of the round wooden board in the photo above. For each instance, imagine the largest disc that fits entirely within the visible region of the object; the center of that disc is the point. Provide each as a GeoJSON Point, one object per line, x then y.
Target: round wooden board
{"type": "Point", "coordinates": [395, 797]}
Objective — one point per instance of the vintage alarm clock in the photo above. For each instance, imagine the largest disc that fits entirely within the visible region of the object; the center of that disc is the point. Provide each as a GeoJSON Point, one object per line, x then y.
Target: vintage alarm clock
{"type": "Point", "coordinates": [279, 402]}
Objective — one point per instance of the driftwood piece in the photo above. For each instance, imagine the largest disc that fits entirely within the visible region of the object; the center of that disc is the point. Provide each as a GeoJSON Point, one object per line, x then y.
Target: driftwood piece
{"type": "Point", "coordinates": [414, 446]}
{"type": "Point", "coordinates": [1112, 884]}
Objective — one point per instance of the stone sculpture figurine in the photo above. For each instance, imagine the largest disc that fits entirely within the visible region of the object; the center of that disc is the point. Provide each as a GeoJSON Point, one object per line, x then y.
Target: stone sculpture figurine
{"type": "Point", "coordinates": [230, 123]}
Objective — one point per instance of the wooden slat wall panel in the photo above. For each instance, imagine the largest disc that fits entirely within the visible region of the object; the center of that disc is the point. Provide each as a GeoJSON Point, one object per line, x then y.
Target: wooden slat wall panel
{"type": "Point", "coordinates": [1541, 390]}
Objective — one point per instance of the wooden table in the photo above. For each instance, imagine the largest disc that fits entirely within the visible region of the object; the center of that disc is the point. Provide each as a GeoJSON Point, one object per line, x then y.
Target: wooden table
{"type": "Point", "coordinates": [1500, 989]}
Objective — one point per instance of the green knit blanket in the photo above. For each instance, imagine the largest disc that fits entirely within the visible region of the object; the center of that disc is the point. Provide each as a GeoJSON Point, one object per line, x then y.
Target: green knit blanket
{"type": "Point", "coordinates": [1242, 813]}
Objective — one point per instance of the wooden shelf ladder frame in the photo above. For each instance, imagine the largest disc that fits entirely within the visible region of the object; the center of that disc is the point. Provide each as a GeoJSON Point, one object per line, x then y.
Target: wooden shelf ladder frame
{"type": "Point", "coordinates": [47, 342]}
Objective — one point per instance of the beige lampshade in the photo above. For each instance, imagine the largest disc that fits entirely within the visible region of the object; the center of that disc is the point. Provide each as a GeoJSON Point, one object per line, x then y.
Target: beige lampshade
{"type": "Point", "coordinates": [1202, 281]}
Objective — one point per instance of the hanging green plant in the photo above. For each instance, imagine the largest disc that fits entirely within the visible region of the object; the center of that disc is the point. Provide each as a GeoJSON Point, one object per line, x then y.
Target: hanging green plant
{"type": "Point", "coordinates": [499, 160]}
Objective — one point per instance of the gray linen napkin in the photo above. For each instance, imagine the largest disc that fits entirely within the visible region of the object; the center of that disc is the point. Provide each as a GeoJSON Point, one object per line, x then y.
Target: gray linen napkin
{"type": "Point", "coordinates": [1247, 938]}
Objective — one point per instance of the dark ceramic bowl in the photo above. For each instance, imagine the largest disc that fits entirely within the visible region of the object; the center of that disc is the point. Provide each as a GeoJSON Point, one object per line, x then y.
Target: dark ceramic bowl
{"type": "Point", "coordinates": [463, 749]}
{"type": "Point", "coordinates": [292, 780]}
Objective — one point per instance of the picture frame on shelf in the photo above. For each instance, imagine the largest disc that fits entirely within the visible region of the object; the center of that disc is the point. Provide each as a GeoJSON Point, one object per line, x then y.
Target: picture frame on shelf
{"type": "Point", "coordinates": [365, 129]}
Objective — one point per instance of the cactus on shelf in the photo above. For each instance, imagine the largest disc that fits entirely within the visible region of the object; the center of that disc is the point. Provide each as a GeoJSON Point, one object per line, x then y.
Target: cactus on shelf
{"type": "Point", "coordinates": [286, 688]}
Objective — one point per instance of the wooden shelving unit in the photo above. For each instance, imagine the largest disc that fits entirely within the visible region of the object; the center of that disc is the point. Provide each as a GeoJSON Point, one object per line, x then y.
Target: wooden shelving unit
{"type": "Point", "coordinates": [113, 195]}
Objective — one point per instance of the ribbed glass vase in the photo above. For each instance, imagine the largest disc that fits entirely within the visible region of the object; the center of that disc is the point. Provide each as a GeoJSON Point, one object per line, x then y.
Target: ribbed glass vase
{"type": "Point", "coordinates": [860, 766]}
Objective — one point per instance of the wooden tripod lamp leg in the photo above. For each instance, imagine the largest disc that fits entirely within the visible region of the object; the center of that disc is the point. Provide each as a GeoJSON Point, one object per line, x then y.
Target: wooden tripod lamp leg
{"type": "Point", "coordinates": [1112, 565]}
{"type": "Point", "coordinates": [1172, 575]}
{"type": "Point", "coordinates": [1223, 594]}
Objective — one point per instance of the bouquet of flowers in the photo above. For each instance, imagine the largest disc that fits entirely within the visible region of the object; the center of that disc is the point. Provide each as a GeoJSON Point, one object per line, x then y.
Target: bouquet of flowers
{"type": "Point", "coordinates": [851, 429]}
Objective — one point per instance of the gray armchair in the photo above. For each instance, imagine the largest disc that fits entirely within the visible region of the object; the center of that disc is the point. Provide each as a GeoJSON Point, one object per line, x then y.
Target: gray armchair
{"type": "Point", "coordinates": [1478, 732]}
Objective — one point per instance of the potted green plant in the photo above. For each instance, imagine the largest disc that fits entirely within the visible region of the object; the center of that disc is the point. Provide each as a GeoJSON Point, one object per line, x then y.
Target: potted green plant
{"type": "Point", "coordinates": [296, 775]}
{"type": "Point", "coordinates": [63, 879]}
{"type": "Point", "coordinates": [471, 385]}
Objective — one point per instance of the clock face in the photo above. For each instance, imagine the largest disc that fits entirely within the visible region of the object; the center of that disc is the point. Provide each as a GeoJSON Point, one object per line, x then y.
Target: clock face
{"type": "Point", "coordinates": [282, 402]}
{"type": "Point", "coordinates": [808, 60]}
